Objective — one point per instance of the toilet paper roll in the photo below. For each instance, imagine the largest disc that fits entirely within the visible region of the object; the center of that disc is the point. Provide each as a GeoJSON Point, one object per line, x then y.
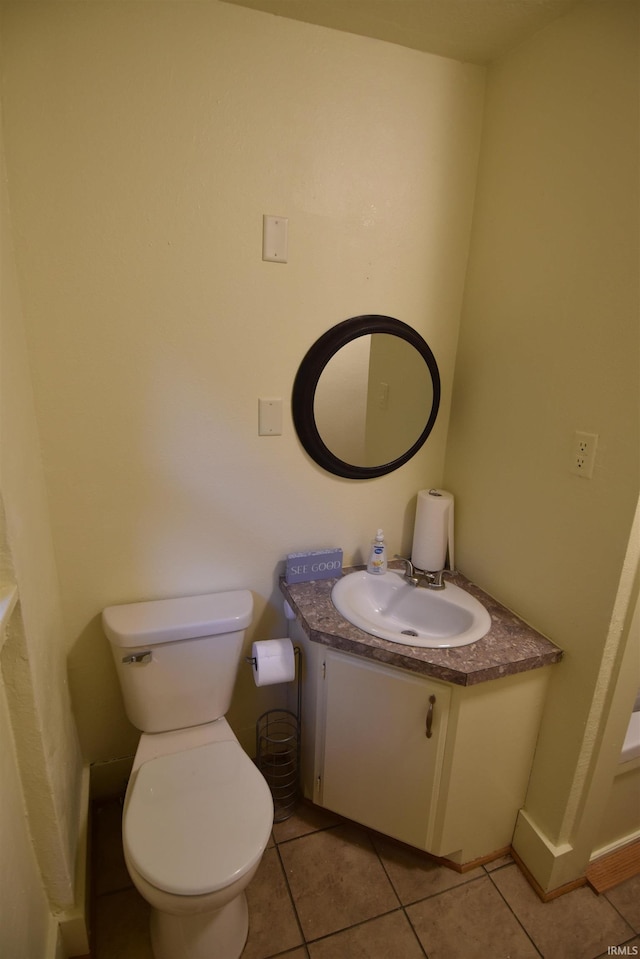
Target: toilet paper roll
{"type": "Point", "coordinates": [274, 662]}
{"type": "Point", "coordinates": [433, 530]}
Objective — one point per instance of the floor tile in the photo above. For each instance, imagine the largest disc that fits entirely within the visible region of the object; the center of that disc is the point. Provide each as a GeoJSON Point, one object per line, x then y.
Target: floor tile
{"type": "Point", "coordinates": [348, 886]}
{"type": "Point", "coordinates": [388, 937]}
{"type": "Point", "coordinates": [413, 875]}
{"type": "Point", "coordinates": [626, 899]}
{"type": "Point", "coordinates": [632, 948]}
{"type": "Point", "coordinates": [121, 927]}
{"type": "Point", "coordinates": [498, 863]}
{"type": "Point", "coordinates": [578, 925]}
{"type": "Point", "coordinates": [306, 818]}
{"type": "Point", "coordinates": [471, 921]}
{"type": "Point", "coordinates": [273, 926]}
{"type": "Point", "coordinates": [336, 880]}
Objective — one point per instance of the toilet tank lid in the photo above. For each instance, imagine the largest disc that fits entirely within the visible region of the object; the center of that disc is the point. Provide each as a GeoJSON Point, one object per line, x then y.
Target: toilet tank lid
{"type": "Point", "coordinates": [170, 620]}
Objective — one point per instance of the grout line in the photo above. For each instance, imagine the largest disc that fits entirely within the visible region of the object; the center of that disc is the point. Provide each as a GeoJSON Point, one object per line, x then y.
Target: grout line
{"type": "Point", "coordinates": [286, 952]}
{"type": "Point", "coordinates": [312, 832]}
{"type": "Point", "coordinates": [354, 925]}
{"type": "Point", "coordinates": [603, 895]}
{"type": "Point", "coordinates": [416, 936]}
{"type": "Point", "coordinates": [512, 911]}
{"type": "Point", "coordinates": [402, 905]}
{"type": "Point", "coordinates": [384, 868]}
{"type": "Point", "coordinates": [291, 899]}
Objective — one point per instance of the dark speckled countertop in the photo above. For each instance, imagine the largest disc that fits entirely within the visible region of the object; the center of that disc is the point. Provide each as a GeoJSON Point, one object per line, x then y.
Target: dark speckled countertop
{"type": "Point", "coordinates": [510, 646]}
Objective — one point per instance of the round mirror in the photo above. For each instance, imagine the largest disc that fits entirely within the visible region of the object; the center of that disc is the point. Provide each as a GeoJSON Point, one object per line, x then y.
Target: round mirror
{"type": "Point", "coordinates": [366, 396]}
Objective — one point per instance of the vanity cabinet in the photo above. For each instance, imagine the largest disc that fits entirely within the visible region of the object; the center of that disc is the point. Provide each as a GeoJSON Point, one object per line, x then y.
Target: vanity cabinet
{"type": "Point", "coordinates": [384, 737]}
{"type": "Point", "coordinates": [366, 754]}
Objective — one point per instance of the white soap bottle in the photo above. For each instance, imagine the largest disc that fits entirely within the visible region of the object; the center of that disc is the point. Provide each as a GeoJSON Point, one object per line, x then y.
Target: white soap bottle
{"type": "Point", "coordinates": [378, 556]}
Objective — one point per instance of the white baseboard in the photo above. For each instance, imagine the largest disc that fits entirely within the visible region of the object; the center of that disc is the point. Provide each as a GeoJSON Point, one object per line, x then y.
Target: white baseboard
{"type": "Point", "coordinates": [613, 846]}
{"type": "Point", "coordinates": [546, 861]}
{"type": "Point", "coordinates": [74, 923]}
{"type": "Point", "coordinates": [55, 947]}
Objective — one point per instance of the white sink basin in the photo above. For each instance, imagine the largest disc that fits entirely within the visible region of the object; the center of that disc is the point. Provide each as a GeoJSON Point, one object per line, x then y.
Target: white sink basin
{"type": "Point", "coordinates": [387, 606]}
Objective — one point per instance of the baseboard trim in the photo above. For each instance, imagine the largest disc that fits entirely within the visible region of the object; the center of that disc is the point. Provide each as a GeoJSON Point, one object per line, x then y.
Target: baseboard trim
{"type": "Point", "coordinates": [551, 865]}
{"type": "Point", "coordinates": [74, 923]}
{"type": "Point", "coordinates": [612, 847]}
{"type": "Point", "coordinates": [610, 870]}
{"type": "Point", "coordinates": [544, 895]}
{"type": "Point", "coordinates": [463, 867]}
{"type": "Point", "coordinates": [54, 946]}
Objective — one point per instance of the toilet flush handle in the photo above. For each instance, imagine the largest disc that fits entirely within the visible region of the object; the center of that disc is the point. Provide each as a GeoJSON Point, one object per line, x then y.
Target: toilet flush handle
{"type": "Point", "coordinates": [138, 657]}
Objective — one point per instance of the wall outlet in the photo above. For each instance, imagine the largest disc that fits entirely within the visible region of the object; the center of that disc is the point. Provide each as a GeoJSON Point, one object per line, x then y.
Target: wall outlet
{"type": "Point", "coordinates": [584, 454]}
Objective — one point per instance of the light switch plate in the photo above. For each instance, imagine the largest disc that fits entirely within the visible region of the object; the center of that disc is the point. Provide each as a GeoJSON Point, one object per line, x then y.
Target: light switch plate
{"type": "Point", "coordinates": [269, 417]}
{"type": "Point", "coordinates": [275, 239]}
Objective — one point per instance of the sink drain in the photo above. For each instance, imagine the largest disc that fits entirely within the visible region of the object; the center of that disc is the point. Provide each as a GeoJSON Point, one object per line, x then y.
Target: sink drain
{"type": "Point", "coordinates": [409, 632]}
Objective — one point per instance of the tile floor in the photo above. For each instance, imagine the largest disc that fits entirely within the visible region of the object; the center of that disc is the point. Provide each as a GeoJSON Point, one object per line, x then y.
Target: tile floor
{"type": "Point", "coordinates": [328, 889]}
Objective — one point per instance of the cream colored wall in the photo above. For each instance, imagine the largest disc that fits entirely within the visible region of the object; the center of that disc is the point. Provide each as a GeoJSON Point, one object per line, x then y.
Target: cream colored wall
{"type": "Point", "coordinates": [549, 344]}
{"type": "Point", "coordinates": [39, 750]}
{"type": "Point", "coordinates": [24, 930]}
{"type": "Point", "coordinates": [144, 143]}
{"type": "Point", "coordinates": [617, 803]}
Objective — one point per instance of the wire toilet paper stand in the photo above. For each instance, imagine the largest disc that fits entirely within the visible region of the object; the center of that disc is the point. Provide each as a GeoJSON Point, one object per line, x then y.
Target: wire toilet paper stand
{"type": "Point", "coordinates": [278, 751]}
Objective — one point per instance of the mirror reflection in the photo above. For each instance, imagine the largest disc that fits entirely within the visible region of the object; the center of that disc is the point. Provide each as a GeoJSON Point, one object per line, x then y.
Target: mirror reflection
{"type": "Point", "coordinates": [366, 396]}
{"type": "Point", "coordinates": [371, 399]}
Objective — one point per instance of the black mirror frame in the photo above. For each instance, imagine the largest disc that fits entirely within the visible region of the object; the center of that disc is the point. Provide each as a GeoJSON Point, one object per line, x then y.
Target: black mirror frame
{"type": "Point", "coordinates": [308, 375]}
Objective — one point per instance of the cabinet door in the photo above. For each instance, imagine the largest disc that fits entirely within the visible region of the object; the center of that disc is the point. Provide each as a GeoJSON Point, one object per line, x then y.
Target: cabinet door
{"type": "Point", "coordinates": [380, 767]}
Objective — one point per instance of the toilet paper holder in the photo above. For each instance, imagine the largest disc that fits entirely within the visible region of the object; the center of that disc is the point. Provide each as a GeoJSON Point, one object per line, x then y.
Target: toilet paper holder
{"type": "Point", "coordinates": [278, 748]}
{"type": "Point", "coordinates": [253, 662]}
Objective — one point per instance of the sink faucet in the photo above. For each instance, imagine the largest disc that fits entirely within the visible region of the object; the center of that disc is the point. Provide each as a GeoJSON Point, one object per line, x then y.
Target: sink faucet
{"type": "Point", "coordinates": [413, 575]}
{"type": "Point", "coordinates": [409, 571]}
{"type": "Point", "coordinates": [434, 579]}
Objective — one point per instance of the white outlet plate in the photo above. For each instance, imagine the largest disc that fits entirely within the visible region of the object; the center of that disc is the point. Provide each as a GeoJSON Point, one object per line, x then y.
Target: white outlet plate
{"type": "Point", "coordinates": [583, 454]}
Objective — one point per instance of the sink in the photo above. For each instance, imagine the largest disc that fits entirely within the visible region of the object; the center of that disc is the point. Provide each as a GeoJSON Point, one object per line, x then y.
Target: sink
{"type": "Point", "coordinates": [388, 607]}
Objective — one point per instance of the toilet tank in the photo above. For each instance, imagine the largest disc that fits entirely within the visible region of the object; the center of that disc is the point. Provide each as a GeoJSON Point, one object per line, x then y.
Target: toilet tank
{"type": "Point", "coordinates": [177, 659]}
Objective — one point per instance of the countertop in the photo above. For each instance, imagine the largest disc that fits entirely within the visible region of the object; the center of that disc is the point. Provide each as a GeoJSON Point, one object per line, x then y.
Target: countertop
{"type": "Point", "coordinates": [511, 646]}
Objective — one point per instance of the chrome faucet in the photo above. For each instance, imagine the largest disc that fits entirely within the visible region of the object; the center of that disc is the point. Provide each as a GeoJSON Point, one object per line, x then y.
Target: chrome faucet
{"type": "Point", "coordinates": [434, 579]}
{"type": "Point", "coordinates": [409, 571]}
{"type": "Point", "coordinates": [413, 575]}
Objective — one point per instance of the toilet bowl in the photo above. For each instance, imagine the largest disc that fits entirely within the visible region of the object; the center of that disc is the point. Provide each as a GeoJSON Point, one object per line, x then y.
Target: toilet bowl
{"type": "Point", "coordinates": [195, 826]}
{"type": "Point", "coordinates": [198, 813]}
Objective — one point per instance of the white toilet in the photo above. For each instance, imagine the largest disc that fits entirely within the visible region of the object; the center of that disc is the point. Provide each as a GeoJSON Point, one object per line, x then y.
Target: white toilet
{"type": "Point", "coordinates": [197, 813]}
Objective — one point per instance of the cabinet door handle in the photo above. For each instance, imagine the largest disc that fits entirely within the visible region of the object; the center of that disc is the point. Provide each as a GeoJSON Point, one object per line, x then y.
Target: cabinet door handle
{"type": "Point", "coordinates": [432, 700]}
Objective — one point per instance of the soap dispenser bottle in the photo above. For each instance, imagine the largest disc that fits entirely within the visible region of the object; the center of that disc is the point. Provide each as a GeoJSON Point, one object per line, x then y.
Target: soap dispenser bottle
{"type": "Point", "coordinates": [378, 556]}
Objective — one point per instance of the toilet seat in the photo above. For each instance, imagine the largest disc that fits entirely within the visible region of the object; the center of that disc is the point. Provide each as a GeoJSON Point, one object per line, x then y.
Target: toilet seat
{"type": "Point", "coordinates": [198, 820]}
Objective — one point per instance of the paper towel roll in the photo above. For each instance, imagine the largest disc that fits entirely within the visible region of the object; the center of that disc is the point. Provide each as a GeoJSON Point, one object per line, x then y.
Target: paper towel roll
{"type": "Point", "coordinates": [274, 662]}
{"type": "Point", "coordinates": [433, 530]}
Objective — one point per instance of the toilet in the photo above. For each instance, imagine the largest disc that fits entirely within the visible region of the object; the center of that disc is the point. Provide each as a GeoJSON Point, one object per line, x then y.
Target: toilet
{"type": "Point", "coordinates": [197, 813]}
